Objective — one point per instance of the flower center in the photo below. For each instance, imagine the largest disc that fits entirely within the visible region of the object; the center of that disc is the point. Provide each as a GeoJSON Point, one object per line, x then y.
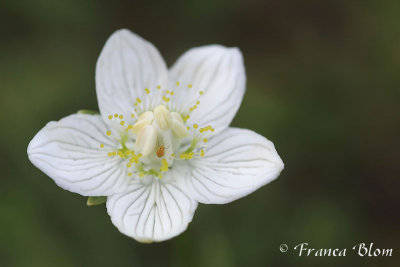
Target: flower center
{"type": "Point", "coordinates": [160, 135]}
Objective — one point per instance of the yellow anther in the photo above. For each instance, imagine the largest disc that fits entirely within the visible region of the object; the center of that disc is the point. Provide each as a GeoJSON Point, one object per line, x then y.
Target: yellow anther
{"type": "Point", "coordinates": [173, 155]}
{"type": "Point", "coordinates": [186, 155]}
{"type": "Point", "coordinates": [147, 90]}
{"type": "Point", "coordinates": [198, 102]}
{"type": "Point", "coordinates": [195, 126]}
{"type": "Point", "coordinates": [135, 105]}
{"type": "Point", "coordinates": [140, 155]}
{"type": "Point", "coordinates": [121, 117]}
{"type": "Point", "coordinates": [190, 86]}
{"type": "Point", "coordinates": [159, 176]}
{"type": "Point", "coordinates": [129, 174]}
{"type": "Point", "coordinates": [158, 87]}
{"type": "Point", "coordinates": [108, 133]}
{"type": "Point", "coordinates": [167, 91]}
{"type": "Point", "coordinates": [122, 123]}
{"type": "Point", "coordinates": [177, 83]}
{"type": "Point", "coordinates": [141, 174]}
{"type": "Point", "coordinates": [132, 115]}
{"type": "Point", "coordinates": [208, 128]}
{"type": "Point", "coordinates": [116, 115]}
{"type": "Point", "coordinates": [185, 118]}
{"type": "Point", "coordinates": [201, 92]}
{"type": "Point", "coordinates": [205, 140]}
{"type": "Point", "coordinates": [138, 100]}
{"type": "Point", "coordinates": [172, 93]}
{"type": "Point", "coordinates": [166, 99]}
{"type": "Point", "coordinates": [164, 165]}
{"type": "Point", "coordinates": [128, 165]}
{"type": "Point", "coordinates": [193, 108]}
{"type": "Point", "coordinates": [101, 145]}
{"type": "Point", "coordinates": [130, 126]}
{"type": "Point", "coordinates": [188, 127]}
{"type": "Point", "coordinates": [202, 153]}
{"type": "Point", "coordinates": [110, 154]}
{"type": "Point", "coordinates": [110, 117]}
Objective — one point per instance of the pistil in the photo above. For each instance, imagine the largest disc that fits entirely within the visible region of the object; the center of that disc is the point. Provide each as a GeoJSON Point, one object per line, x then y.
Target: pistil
{"type": "Point", "coordinates": [150, 143]}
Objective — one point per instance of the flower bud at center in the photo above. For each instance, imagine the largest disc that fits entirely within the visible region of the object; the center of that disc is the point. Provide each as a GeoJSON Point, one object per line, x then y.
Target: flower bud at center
{"type": "Point", "coordinates": [162, 117]}
{"type": "Point", "coordinates": [146, 140]}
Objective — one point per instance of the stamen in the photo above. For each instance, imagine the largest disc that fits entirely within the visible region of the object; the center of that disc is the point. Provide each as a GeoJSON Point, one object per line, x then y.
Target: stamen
{"type": "Point", "coordinates": [160, 126]}
{"type": "Point", "coordinates": [207, 128]}
{"type": "Point", "coordinates": [164, 165]}
{"type": "Point", "coordinates": [186, 156]}
{"type": "Point", "coordinates": [166, 99]}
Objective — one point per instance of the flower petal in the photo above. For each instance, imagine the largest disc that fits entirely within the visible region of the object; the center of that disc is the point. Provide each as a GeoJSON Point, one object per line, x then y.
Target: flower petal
{"type": "Point", "coordinates": [127, 65]}
{"type": "Point", "coordinates": [151, 209]}
{"type": "Point", "coordinates": [219, 72]}
{"type": "Point", "coordinates": [237, 162]}
{"type": "Point", "coordinates": [69, 152]}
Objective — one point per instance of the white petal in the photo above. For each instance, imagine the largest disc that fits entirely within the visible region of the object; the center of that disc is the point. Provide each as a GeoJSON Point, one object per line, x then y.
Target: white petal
{"type": "Point", "coordinates": [219, 72]}
{"type": "Point", "coordinates": [237, 162]}
{"type": "Point", "coordinates": [69, 152]}
{"type": "Point", "coordinates": [127, 65]}
{"type": "Point", "coordinates": [151, 209]}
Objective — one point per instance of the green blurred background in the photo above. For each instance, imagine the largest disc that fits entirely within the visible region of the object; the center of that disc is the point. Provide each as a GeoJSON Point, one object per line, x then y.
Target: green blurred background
{"type": "Point", "coordinates": [323, 85]}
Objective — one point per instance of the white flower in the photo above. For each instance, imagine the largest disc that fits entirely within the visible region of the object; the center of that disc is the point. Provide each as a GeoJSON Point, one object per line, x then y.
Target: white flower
{"type": "Point", "coordinates": [161, 143]}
